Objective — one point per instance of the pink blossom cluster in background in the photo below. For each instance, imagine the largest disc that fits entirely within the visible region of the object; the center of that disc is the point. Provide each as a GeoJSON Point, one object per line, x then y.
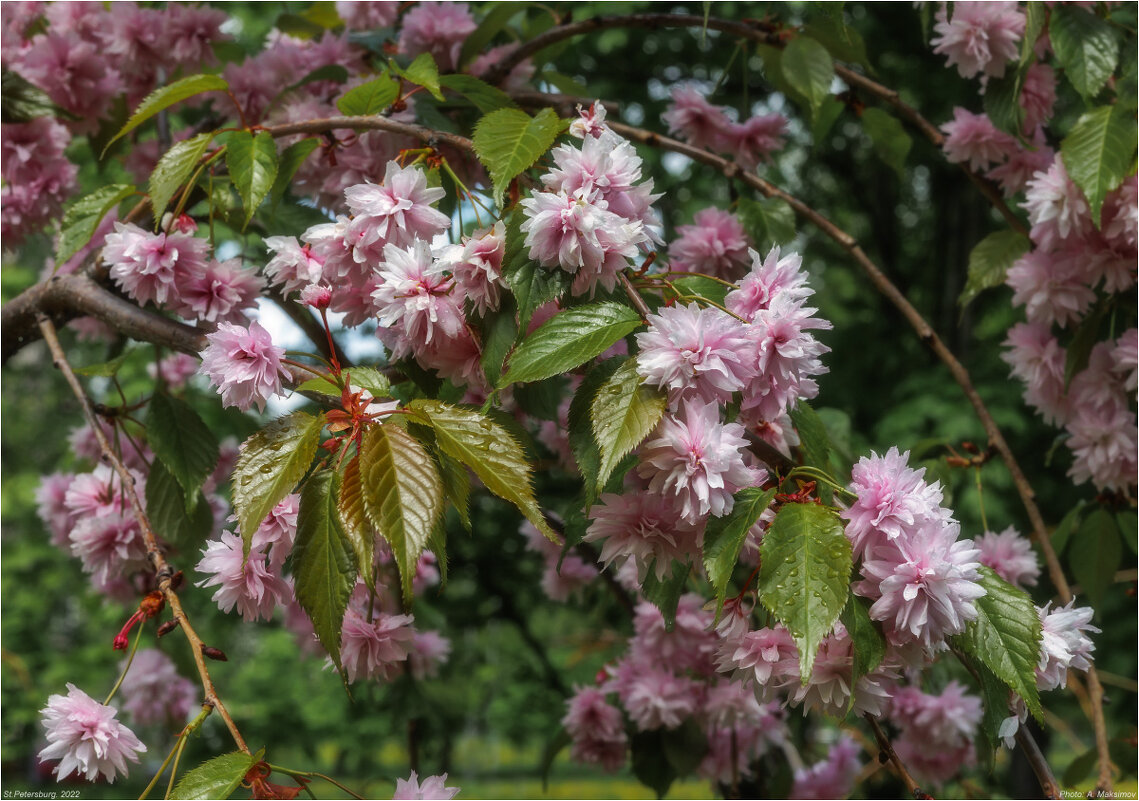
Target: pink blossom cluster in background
{"type": "Point", "coordinates": [704, 125]}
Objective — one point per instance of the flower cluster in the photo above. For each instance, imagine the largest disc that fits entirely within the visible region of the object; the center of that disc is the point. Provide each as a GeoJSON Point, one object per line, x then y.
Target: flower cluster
{"type": "Point", "coordinates": [86, 738]}
{"type": "Point", "coordinates": [704, 125]}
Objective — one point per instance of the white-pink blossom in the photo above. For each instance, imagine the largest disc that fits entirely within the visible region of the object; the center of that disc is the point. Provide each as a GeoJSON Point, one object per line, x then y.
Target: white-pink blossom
{"type": "Point", "coordinates": [416, 298]}
{"type": "Point", "coordinates": [596, 728]}
{"type": "Point", "coordinates": [1064, 643]}
{"type": "Point", "coordinates": [439, 29]}
{"type": "Point", "coordinates": [973, 138]}
{"type": "Point", "coordinates": [981, 37]}
{"type": "Point", "coordinates": [1010, 555]}
{"type": "Point", "coordinates": [1056, 207]}
{"type": "Point", "coordinates": [375, 649]}
{"type": "Point", "coordinates": [86, 737]}
{"type": "Point", "coordinates": [293, 266]}
{"type": "Point", "coordinates": [396, 212]}
{"type": "Point", "coordinates": [1037, 359]}
{"type": "Point", "coordinates": [154, 693]}
{"type": "Point", "coordinates": [831, 778]}
{"type": "Point", "coordinates": [251, 584]}
{"type": "Point", "coordinates": [715, 244]}
{"type": "Point", "coordinates": [645, 528]}
{"type": "Point", "coordinates": [244, 364]}
{"type": "Point", "coordinates": [150, 267]}
{"type": "Point", "coordinates": [431, 787]}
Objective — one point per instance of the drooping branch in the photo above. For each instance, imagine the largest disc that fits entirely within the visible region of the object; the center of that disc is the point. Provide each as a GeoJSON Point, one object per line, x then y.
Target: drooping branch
{"type": "Point", "coordinates": [761, 35]}
{"type": "Point", "coordinates": [162, 569]}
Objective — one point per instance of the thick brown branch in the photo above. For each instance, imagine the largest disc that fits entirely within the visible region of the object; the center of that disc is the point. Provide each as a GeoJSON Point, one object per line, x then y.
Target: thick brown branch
{"type": "Point", "coordinates": [1039, 764]}
{"type": "Point", "coordinates": [65, 297]}
{"type": "Point", "coordinates": [428, 136]}
{"type": "Point", "coordinates": [162, 569]}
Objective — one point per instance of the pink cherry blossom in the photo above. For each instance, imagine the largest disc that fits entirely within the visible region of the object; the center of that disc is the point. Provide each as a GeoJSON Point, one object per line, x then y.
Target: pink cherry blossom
{"type": "Point", "coordinates": [771, 277]}
{"type": "Point", "coordinates": [52, 509]}
{"type": "Point", "coordinates": [1121, 215]}
{"type": "Point", "coordinates": [254, 587]}
{"type": "Point", "coordinates": [596, 728]}
{"type": "Point", "coordinates": [981, 37]}
{"type": "Point", "coordinates": [149, 267]}
{"type": "Point", "coordinates": [1056, 207]}
{"type": "Point", "coordinates": [833, 777]}
{"type": "Point", "coordinates": [1051, 285]}
{"type": "Point", "coordinates": [655, 698]}
{"type": "Point", "coordinates": [516, 80]}
{"type": "Point", "coordinates": [1037, 359]}
{"type": "Point", "coordinates": [154, 693]}
{"type": "Point", "coordinates": [1125, 357]}
{"type": "Point", "coordinates": [175, 370]}
{"type": "Point", "coordinates": [109, 546]}
{"type": "Point", "coordinates": [476, 266]}
{"type": "Point", "coordinates": [716, 244]}
{"type": "Point", "coordinates": [689, 646]}
{"type": "Point", "coordinates": [563, 575]}
{"type": "Point", "coordinates": [645, 528]}
{"type": "Point", "coordinates": [37, 175]}
{"type": "Point", "coordinates": [429, 650]}
{"type": "Point", "coordinates": [222, 292]}
{"type": "Point", "coordinates": [695, 460]}
{"type": "Point", "coordinates": [439, 29]}
{"type": "Point", "coordinates": [244, 364]}
{"type": "Point", "coordinates": [396, 212]}
{"type": "Point", "coordinates": [974, 139]}
{"type": "Point", "coordinates": [376, 649]}
{"type": "Point", "coordinates": [695, 352]}
{"type": "Point", "coordinates": [1023, 163]}
{"type": "Point", "coordinates": [1038, 95]}
{"type": "Point", "coordinates": [1064, 643]}
{"type": "Point", "coordinates": [697, 121]}
{"type": "Point", "coordinates": [367, 15]}
{"type": "Point", "coordinates": [74, 73]}
{"type": "Point", "coordinates": [86, 738]}
{"type": "Point", "coordinates": [293, 266]}
{"type": "Point", "coordinates": [432, 787]}
{"type": "Point", "coordinates": [1104, 442]}
{"type": "Point", "coordinates": [1009, 554]}
{"type": "Point", "coordinates": [765, 659]}
{"type": "Point", "coordinates": [756, 138]}
{"type": "Point", "coordinates": [415, 298]}
{"type": "Point", "coordinates": [278, 530]}
{"type": "Point", "coordinates": [589, 121]}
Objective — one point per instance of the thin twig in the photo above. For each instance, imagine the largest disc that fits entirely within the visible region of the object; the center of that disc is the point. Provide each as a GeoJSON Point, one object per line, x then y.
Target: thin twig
{"type": "Point", "coordinates": [163, 571]}
{"type": "Point", "coordinates": [634, 297]}
{"type": "Point", "coordinates": [899, 768]}
{"type": "Point", "coordinates": [1039, 764]}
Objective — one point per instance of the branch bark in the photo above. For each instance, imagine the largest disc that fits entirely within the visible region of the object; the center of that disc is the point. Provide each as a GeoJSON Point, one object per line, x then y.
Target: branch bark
{"type": "Point", "coordinates": [162, 569]}
{"type": "Point", "coordinates": [885, 746]}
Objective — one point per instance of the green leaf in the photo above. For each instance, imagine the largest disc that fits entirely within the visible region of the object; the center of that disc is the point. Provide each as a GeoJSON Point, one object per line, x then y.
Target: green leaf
{"type": "Point", "coordinates": [1100, 552]}
{"type": "Point", "coordinates": [108, 368]}
{"type": "Point", "coordinates": [1085, 46]}
{"type": "Point", "coordinates": [166, 96]}
{"type": "Point", "coordinates": [498, 338]}
{"type": "Point", "coordinates": [989, 262]}
{"type": "Point", "coordinates": [1080, 768]}
{"type": "Point", "coordinates": [83, 217]}
{"type": "Point", "coordinates": [321, 386]}
{"type": "Point", "coordinates": [809, 69]}
{"type": "Point", "coordinates": [531, 283]}
{"type": "Point", "coordinates": [1098, 152]}
{"type": "Point", "coordinates": [369, 98]}
{"type": "Point", "coordinates": [21, 101]}
{"type": "Point", "coordinates": [354, 520]}
{"type": "Point", "coordinates": [174, 169]}
{"type": "Point", "coordinates": [1128, 523]}
{"type": "Point", "coordinates": [289, 162]}
{"type": "Point", "coordinates": [1036, 14]}
{"type": "Point", "coordinates": [370, 379]}
{"type": "Point", "coordinates": [269, 465]}
{"type": "Point", "coordinates": [995, 700]}
{"type": "Point", "coordinates": [581, 439]}
{"type": "Point", "coordinates": [252, 163]}
{"type": "Point", "coordinates": [497, 17]}
{"type": "Point", "coordinates": [323, 562]}
{"type": "Point", "coordinates": [542, 399]}
{"type": "Point", "coordinates": [804, 579]}
{"type": "Point", "coordinates": [423, 71]}
{"type": "Point", "coordinates": [814, 443]}
{"type": "Point", "coordinates": [685, 746]}
{"type": "Point", "coordinates": [485, 97]}
{"type": "Point", "coordinates": [403, 494]}
{"type": "Point", "coordinates": [217, 778]}
{"type": "Point", "coordinates": [665, 593]}
{"type": "Point", "coordinates": [844, 42]}
{"type": "Point", "coordinates": [166, 507]}
{"type": "Point", "coordinates": [182, 442]}
{"type": "Point", "coordinates": [1002, 101]}
{"type": "Point", "coordinates": [623, 412]}
{"type": "Point", "coordinates": [725, 536]}
{"type": "Point", "coordinates": [1005, 637]}
{"type": "Point", "coordinates": [1063, 531]}
{"type": "Point", "coordinates": [699, 286]}
{"type": "Point", "coordinates": [650, 761]}
{"type": "Point", "coordinates": [456, 487]}
{"type": "Point", "coordinates": [891, 142]}
{"type": "Point", "coordinates": [769, 222]}
{"type": "Point", "coordinates": [868, 644]}
{"type": "Point", "coordinates": [825, 118]}
{"type": "Point", "coordinates": [568, 340]}
{"type": "Point", "coordinates": [490, 451]}
{"type": "Point", "coordinates": [558, 742]}
{"type": "Point", "coordinates": [509, 141]}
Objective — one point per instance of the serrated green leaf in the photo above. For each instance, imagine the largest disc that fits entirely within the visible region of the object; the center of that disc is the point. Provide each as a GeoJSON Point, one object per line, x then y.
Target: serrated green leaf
{"type": "Point", "coordinates": [499, 333]}
{"type": "Point", "coordinates": [174, 169]}
{"type": "Point", "coordinates": [252, 163]}
{"type": "Point", "coordinates": [650, 762]}
{"type": "Point", "coordinates": [1002, 101]}
{"type": "Point", "coordinates": [165, 97]}
{"type": "Point", "coordinates": [288, 163]}
{"type": "Point", "coordinates": [354, 520]}
{"type": "Point", "coordinates": [825, 118]}
{"type": "Point", "coordinates": [725, 536]}
{"type": "Point", "coordinates": [1064, 528]}
{"type": "Point", "coordinates": [844, 42]}
{"type": "Point", "coordinates": [697, 286]}
{"type": "Point", "coordinates": [321, 386]}
{"type": "Point", "coordinates": [490, 451]}
{"type": "Point", "coordinates": [509, 141]}
{"type": "Point", "coordinates": [1098, 152]}
{"type": "Point", "coordinates": [372, 380]}
{"type": "Point", "coordinates": [804, 579]}
{"type": "Point", "coordinates": [623, 412]}
{"type": "Point", "coordinates": [182, 441]}
{"type": "Point", "coordinates": [1085, 46]}
{"type": "Point", "coordinates": [456, 486]}
{"type": "Point", "coordinates": [531, 284]}
{"type": "Point", "coordinates": [665, 592]}
{"type": "Point", "coordinates": [83, 217]}
{"type": "Point", "coordinates": [581, 440]}
{"type": "Point", "coordinates": [1100, 552]}
{"type": "Point", "coordinates": [868, 646]}
{"type": "Point", "coordinates": [542, 399]}
{"type": "Point", "coordinates": [323, 561]}
{"type": "Point", "coordinates": [217, 778]}
{"type": "Point", "coordinates": [568, 340]}
{"type": "Point", "coordinates": [990, 260]}
{"type": "Point", "coordinates": [891, 142]}
{"type": "Point", "coordinates": [105, 369]}
{"type": "Point", "coordinates": [485, 97]}
{"type": "Point", "coordinates": [814, 443]}
{"type": "Point", "coordinates": [1035, 15]}
{"type": "Point", "coordinates": [995, 703]}
{"type": "Point", "coordinates": [423, 71]}
{"type": "Point", "coordinates": [166, 507]}
{"type": "Point", "coordinates": [269, 465]}
{"type": "Point", "coordinates": [1005, 637]}
{"type": "Point", "coordinates": [809, 69]}
{"type": "Point", "coordinates": [369, 98]}
{"type": "Point", "coordinates": [403, 494]}
{"type": "Point", "coordinates": [769, 221]}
